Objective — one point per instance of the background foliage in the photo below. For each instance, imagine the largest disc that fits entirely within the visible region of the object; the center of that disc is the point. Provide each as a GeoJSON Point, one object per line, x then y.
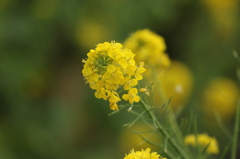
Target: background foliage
{"type": "Point", "coordinates": [46, 109]}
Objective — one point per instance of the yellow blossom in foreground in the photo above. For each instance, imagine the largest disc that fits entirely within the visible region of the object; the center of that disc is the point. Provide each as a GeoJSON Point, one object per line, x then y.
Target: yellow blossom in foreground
{"type": "Point", "coordinates": [131, 96]}
{"type": "Point", "coordinates": [144, 154]}
{"type": "Point", "coordinates": [203, 140]}
{"type": "Point", "coordinates": [149, 48]}
{"type": "Point", "coordinates": [110, 67]}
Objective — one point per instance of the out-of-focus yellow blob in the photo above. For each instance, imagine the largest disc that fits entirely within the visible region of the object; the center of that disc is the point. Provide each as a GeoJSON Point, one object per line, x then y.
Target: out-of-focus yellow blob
{"type": "Point", "coordinates": [223, 14]}
{"type": "Point", "coordinates": [129, 139]}
{"type": "Point", "coordinates": [203, 140]}
{"type": "Point", "coordinates": [89, 33]}
{"type": "Point", "coordinates": [177, 83]}
{"type": "Point", "coordinates": [221, 95]}
{"type": "Point", "coordinates": [149, 47]}
{"type": "Point", "coordinates": [4, 4]}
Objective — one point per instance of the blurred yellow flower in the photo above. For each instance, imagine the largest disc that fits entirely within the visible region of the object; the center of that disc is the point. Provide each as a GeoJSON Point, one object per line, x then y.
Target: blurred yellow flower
{"type": "Point", "coordinates": [221, 95]}
{"type": "Point", "coordinates": [223, 13]}
{"type": "Point", "coordinates": [149, 48]}
{"type": "Point", "coordinates": [4, 4]}
{"type": "Point", "coordinates": [109, 67]}
{"type": "Point", "coordinates": [203, 140]}
{"type": "Point", "coordinates": [177, 83]}
{"type": "Point", "coordinates": [132, 137]}
{"type": "Point", "coordinates": [144, 154]}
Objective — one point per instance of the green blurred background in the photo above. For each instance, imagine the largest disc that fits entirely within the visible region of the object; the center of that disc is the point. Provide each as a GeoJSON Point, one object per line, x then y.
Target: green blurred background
{"type": "Point", "coordinates": [46, 109]}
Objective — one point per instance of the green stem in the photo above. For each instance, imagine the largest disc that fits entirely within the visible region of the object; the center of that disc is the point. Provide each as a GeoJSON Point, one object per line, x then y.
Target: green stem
{"type": "Point", "coordinates": [163, 131]}
{"type": "Point", "coordinates": [171, 116]}
{"type": "Point", "coordinates": [235, 133]}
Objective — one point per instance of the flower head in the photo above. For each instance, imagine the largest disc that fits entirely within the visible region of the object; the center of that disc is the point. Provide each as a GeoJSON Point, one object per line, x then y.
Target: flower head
{"type": "Point", "coordinates": [110, 67]}
{"type": "Point", "coordinates": [149, 47]}
{"type": "Point", "coordinates": [203, 140]}
{"type": "Point", "coordinates": [144, 154]}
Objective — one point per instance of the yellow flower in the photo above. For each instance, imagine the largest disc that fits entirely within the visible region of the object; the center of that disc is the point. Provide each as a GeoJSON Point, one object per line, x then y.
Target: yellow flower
{"type": "Point", "coordinates": [130, 83]}
{"type": "Point", "coordinates": [110, 67]}
{"type": "Point", "coordinates": [220, 95]}
{"type": "Point", "coordinates": [144, 154]}
{"type": "Point", "coordinates": [203, 140]}
{"type": "Point", "coordinates": [149, 48]}
{"type": "Point", "coordinates": [131, 96]}
{"type": "Point", "coordinates": [139, 72]}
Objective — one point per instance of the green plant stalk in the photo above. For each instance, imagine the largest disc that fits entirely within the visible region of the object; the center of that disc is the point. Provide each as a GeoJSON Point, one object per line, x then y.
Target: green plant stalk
{"type": "Point", "coordinates": [163, 131]}
{"type": "Point", "coordinates": [171, 116]}
{"type": "Point", "coordinates": [235, 133]}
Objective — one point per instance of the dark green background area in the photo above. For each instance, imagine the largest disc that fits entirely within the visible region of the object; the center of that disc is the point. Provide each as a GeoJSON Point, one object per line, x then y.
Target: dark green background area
{"type": "Point", "coordinates": [46, 109]}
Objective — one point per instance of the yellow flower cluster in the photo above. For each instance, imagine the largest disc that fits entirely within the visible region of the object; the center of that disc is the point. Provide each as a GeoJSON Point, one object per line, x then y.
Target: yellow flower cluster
{"type": "Point", "coordinates": [110, 67]}
{"type": "Point", "coordinates": [144, 154]}
{"type": "Point", "coordinates": [149, 47]}
{"type": "Point", "coordinates": [203, 140]}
